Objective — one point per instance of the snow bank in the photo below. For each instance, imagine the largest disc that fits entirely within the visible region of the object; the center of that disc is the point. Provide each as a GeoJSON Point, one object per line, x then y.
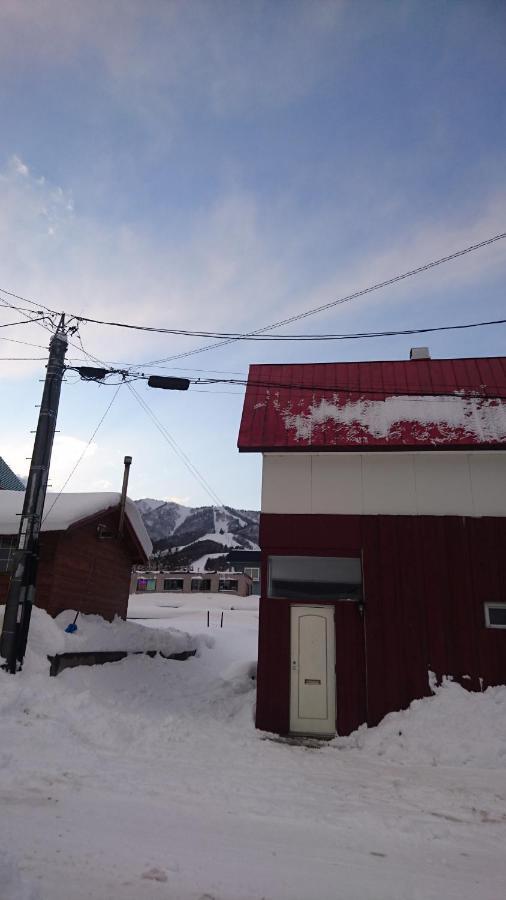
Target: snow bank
{"type": "Point", "coordinates": [241, 676]}
{"type": "Point", "coordinates": [48, 637]}
{"type": "Point", "coordinates": [454, 728]}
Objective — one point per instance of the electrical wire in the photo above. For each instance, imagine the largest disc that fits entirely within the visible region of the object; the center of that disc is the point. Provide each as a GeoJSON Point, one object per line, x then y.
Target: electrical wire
{"type": "Point", "coordinates": [81, 457]}
{"type": "Point", "coordinates": [166, 435]}
{"type": "Point", "coordinates": [42, 347]}
{"type": "Point", "coordinates": [401, 394]}
{"type": "Point", "coordinates": [254, 336]}
{"type": "Point", "coordinates": [35, 303]}
{"type": "Point", "coordinates": [177, 450]}
{"type": "Point", "coordinates": [225, 338]}
{"type": "Point", "coordinates": [22, 322]}
{"type": "Point", "coordinates": [346, 299]}
{"type": "Point", "coordinates": [29, 318]}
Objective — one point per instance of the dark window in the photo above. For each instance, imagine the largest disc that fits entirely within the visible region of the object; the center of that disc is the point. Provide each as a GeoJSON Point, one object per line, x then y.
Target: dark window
{"type": "Point", "coordinates": [7, 550]}
{"type": "Point", "coordinates": [495, 615]}
{"type": "Point", "coordinates": [315, 577]}
{"type": "Point", "coordinates": [146, 584]}
{"type": "Point", "coordinates": [201, 584]}
{"type": "Point", "coordinates": [173, 584]}
{"type": "Point", "coordinates": [228, 584]}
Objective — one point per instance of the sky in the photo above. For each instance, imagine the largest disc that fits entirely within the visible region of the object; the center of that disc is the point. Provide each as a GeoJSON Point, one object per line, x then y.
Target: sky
{"type": "Point", "coordinates": [225, 164]}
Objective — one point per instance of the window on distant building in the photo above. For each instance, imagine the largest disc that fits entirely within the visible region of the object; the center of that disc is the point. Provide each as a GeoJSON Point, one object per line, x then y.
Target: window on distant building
{"type": "Point", "coordinates": [201, 584]}
{"type": "Point", "coordinates": [315, 577]}
{"type": "Point", "coordinates": [7, 550]}
{"type": "Point", "coordinates": [228, 584]}
{"type": "Point", "coordinates": [495, 615]}
{"type": "Point", "coordinates": [173, 584]}
{"type": "Point", "coordinates": [253, 573]}
{"type": "Point", "coordinates": [146, 584]}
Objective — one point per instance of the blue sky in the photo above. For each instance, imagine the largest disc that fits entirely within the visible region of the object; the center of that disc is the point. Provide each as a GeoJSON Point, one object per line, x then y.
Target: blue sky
{"type": "Point", "coordinates": [224, 165]}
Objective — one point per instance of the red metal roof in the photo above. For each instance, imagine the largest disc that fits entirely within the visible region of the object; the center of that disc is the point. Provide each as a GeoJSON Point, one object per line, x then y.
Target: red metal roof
{"type": "Point", "coordinates": [424, 404]}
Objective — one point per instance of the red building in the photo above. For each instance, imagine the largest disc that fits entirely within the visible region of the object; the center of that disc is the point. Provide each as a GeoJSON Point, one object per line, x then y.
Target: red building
{"type": "Point", "coordinates": [382, 532]}
{"type": "Point", "coordinates": [84, 563]}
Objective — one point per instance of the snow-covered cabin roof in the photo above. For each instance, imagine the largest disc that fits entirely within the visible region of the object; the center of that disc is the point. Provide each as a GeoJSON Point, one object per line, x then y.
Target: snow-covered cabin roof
{"type": "Point", "coordinates": [70, 509]}
{"type": "Point", "coordinates": [420, 403]}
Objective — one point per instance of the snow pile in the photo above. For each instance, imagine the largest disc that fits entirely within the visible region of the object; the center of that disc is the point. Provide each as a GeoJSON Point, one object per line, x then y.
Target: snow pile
{"type": "Point", "coordinates": [48, 637]}
{"type": "Point", "coordinates": [147, 779]}
{"type": "Point", "coordinates": [94, 633]}
{"type": "Point", "coordinates": [483, 420]}
{"type": "Point", "coordinates": [454, 728]}
{"type": "Point", "coordinates": [241, 676]}
{"type": "Point", "coordinates": [12, 885]}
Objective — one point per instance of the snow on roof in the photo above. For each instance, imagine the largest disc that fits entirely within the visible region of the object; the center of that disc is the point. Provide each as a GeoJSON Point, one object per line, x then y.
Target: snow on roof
{"type": "Point", "coordinates": [430, 419]}
{"type": "Point", "coordinates": [339, 406]}
{"type": "Point", "coordinates": [69, 509]}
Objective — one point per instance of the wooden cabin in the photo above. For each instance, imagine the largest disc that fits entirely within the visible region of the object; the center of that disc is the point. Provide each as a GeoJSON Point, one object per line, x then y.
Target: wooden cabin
{"type": "Point", "coordinates": [382, 534]}
{"type": "Point", "coordinates": [84, 564]}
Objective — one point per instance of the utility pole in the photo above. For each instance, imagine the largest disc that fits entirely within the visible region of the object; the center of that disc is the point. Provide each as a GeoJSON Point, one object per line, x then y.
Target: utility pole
{"type": "Point", "coordinates": [21, 595]}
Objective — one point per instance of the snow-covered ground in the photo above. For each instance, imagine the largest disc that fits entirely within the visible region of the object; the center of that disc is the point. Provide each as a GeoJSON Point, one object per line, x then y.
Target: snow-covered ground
{"type": "Point", "coordinates": [146, 779]}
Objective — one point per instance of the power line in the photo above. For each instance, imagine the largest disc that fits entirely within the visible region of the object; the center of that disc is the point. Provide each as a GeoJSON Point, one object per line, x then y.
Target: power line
{"type": "Point", "coordinates": [254, 336]}
{"type": "Point", "coordinates": [22, 322]}
{"type": "Point", "coordinates": [346, 299]}
{"type": "Point", "coordinates": [401, 394]}
{"type": "Point", "coordinates": [42, 347]}
{"type": "Point", "coordinates": [81, 457]}
{"type": "Point", "coordinates": [38, 321]}
{"type": "Point", "coordinates": [227, 338]}
{"type": "Point", "coordinates": [177, 450]}
{"type": "Point", "coordinates": [35, 303]}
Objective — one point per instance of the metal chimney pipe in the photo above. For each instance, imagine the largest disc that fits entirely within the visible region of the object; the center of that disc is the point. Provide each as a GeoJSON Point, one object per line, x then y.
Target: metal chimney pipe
{"type": "Point", "coordinates": [128, 462]}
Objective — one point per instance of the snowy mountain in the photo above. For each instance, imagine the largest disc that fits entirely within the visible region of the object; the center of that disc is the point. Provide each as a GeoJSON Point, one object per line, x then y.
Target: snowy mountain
{"type": "Point", "coordinates": [181, 534]}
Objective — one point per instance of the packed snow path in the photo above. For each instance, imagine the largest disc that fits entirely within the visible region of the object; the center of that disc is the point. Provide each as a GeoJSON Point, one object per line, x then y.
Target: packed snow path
{"type": "Point", "coordinates": [146, 779]}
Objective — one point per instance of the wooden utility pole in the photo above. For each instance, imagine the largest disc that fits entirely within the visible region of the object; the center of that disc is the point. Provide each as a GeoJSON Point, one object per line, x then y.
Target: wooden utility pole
{"type": "Point", "coordinates": [21, 594]}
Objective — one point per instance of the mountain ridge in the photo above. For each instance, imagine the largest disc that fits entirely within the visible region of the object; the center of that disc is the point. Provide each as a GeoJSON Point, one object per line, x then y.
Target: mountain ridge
{"type": "Point", "coordinates": [184, 535]}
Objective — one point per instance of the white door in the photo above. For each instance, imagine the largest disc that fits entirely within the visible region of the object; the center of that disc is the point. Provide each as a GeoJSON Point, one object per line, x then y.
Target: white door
{"type": "Point", "coordinates": [313, 677]}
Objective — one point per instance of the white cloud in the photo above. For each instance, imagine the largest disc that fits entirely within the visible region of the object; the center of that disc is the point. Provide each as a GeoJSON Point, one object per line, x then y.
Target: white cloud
{"type": "Point", "coordinates": [17, 165]}
{"type": "Point", "coordinates": [235, 55]}
{"type": "Point", "coordinates": [67, 450]}
{"type": "Point", "coordinates": [236, 269]}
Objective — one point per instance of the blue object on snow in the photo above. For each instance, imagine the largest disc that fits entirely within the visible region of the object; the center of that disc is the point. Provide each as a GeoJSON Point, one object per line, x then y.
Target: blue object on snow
{"type": "Point", "coordinates": [72, 627]}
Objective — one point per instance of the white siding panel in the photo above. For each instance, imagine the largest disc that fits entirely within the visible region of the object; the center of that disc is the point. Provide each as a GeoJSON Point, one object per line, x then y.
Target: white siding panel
{"type": "Point", "coordinates": [488, 479]}
{"type": "Point", "coordinates": [443, 485]}
{"type": "Point", "coordinates": [286, 483]}
{"type": "Point", "coordinates": [389, 484]}
{"type": "Point", "coordinates": [427, 484]}
{"type": "Point", "coordinates": [337, 486]}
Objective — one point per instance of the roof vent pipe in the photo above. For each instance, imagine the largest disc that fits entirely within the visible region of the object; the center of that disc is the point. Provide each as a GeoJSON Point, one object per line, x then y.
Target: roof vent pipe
{"type": "Point", "coordinates": [128, 462]}
{"type": "Point", "coordinates": [419, 353]}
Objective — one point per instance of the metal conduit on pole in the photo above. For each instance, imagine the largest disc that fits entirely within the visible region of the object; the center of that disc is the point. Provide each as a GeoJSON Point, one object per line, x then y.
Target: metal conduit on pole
{"type": "Point", "coordinates": [21, 594]}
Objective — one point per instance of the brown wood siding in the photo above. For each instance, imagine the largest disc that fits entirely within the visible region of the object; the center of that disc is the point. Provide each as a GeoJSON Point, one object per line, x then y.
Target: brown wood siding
{"type": "Point", "coordinates": [79, 571]}
{"type": "Point", "coordinates": [91, 575]}
{"type": "Point", "coordinates": [426, 580]}
{"type": "Point", "coordinates": [47, 554]}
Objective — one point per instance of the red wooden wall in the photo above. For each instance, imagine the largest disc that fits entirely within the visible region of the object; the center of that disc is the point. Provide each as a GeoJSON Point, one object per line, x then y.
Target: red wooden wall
{"type": "Point", "coordinates": [79, 571]}
{"type": "Point", "coordinates": [425, 582]}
